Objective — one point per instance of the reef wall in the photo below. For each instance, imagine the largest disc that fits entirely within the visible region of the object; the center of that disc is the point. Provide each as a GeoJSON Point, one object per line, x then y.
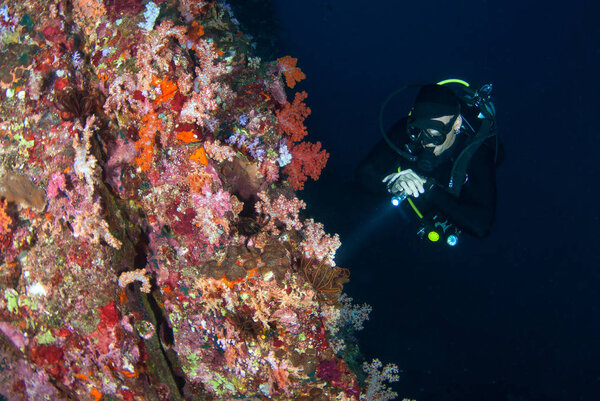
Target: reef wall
{"type": "Point", "coordinates": [152, 243]}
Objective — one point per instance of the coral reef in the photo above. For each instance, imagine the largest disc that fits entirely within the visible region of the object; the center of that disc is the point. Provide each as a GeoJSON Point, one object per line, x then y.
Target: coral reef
{"type": "Point", "coordinates": [152, 245]}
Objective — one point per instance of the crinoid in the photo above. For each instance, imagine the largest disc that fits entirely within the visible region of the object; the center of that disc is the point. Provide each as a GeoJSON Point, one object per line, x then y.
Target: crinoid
{"type": "Point", "coordinates": [250, 227]}
{"type": "Point", "coordinates": [248, 328]}
{"type": "Point", "coordinates": [77, 103]}
{"type": "Point", "coordinates": [326, 280]}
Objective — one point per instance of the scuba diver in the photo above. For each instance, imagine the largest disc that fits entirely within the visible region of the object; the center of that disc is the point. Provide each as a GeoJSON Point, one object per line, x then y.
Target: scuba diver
{"type": "Point", "coordinates": [440, 160]}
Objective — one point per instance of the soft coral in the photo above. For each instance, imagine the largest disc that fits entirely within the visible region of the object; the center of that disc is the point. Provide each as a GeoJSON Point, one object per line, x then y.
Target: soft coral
{"type": "Point", "coordinates": [308, 159]}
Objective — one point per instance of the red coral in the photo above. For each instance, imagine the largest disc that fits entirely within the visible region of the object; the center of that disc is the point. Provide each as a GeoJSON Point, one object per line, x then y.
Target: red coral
{"type": "Point", "coordinates": [115, 8]}
{"type": "Point", "coordinates": [177, 102]}
{"type": "Point", "coordinates": [54, 34]}
{"type": "Point", "coordinates": [107, 333]}
{"type": "Point", "coordinates": [49, 357]}
{"type": "Point", "coordinates": [307, 161]}
{"type": "Point", "coordinates": [60, 84]}
{"type": "Point", "coordinates": [127, 395]}
{"type": "Point", "coordinates": [183, 222]}
{"type": "Point", "coordinates": [329, 371]}
{"type": "Point", "coordinates": [293, 74]}
{"type": "Point", "coordinates": [291, 117]}
{"type": "Point", "coordinates": [337, 373]}
{"type": "Point", "coordinates": [109, 315]}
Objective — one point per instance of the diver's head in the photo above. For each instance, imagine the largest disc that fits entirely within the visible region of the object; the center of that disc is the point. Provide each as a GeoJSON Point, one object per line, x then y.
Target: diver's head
{"type": "Point", "coordinates": [434, 119]}
{"type": "Point", "coordinates": [437, 137]}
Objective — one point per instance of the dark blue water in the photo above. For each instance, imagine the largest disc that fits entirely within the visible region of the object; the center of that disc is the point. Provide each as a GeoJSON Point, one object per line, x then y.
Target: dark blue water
{"type": "Point", "coordinates": [514, 316]}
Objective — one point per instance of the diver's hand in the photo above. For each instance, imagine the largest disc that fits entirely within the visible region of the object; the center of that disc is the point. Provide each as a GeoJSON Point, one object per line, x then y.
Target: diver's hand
{"type": "Point", "coordinates": [407, 181]}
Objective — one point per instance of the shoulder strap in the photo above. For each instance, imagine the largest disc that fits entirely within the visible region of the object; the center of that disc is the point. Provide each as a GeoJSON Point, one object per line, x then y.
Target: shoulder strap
{"type": "Point", "coordinates": [459, 169]}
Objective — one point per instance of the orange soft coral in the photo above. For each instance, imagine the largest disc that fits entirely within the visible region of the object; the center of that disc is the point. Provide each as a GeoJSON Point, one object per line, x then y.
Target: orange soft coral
{"type": "Point", "coordinates": [199, 156]}
{"type": "Point", "coordinates": [291, 117]}
{"type": "Point", "coordinates": [168, 89]}
{"type": "Point", "coordinates": [151, 124]}
{"type": "Point", "coordinates": [5, 220]}
{"type": "Point", "coordinates": [292, 73]}
{"type": "Point", "coordinates": [187, 136]}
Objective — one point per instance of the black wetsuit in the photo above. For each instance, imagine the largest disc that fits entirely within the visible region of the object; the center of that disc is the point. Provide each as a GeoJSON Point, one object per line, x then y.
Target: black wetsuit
{"type": "Point", "coordinates": [472, 211]}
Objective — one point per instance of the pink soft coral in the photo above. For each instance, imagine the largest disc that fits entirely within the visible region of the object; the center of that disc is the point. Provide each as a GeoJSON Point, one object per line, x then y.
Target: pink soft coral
{"type": "Point", "coordinates": [282, 210]}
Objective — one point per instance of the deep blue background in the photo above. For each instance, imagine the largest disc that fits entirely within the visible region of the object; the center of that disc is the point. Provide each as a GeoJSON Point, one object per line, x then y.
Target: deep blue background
{"type": "Point", "coordinates": [512, 316]}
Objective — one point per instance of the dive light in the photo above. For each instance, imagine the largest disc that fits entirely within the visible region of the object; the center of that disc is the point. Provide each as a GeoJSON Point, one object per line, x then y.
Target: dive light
{"type": "Point", "coordinates": [398, 199]}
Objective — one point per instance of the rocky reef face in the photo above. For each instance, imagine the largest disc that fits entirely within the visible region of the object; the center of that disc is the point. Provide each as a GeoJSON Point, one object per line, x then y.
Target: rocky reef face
{"type": "Point", "coordinates": [152, 244]}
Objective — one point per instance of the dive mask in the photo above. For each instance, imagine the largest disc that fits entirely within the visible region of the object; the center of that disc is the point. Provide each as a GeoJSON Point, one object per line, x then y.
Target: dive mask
{"type": "Point", "coordinates": [429, 131]}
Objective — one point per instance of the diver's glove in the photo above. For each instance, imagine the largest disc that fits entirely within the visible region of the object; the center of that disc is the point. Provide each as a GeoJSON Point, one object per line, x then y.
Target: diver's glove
{"type": "Point", "coordinates": [405, 181]}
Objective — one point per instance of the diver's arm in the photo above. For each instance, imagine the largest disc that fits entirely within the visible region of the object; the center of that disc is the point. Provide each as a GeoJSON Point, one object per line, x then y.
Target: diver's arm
{"type": "Point", "coordinates": [474, 210]}
{"type": "Point", "coordinates": [374, 167]}
{"type": "Point", "coordinates": [378, 163]}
